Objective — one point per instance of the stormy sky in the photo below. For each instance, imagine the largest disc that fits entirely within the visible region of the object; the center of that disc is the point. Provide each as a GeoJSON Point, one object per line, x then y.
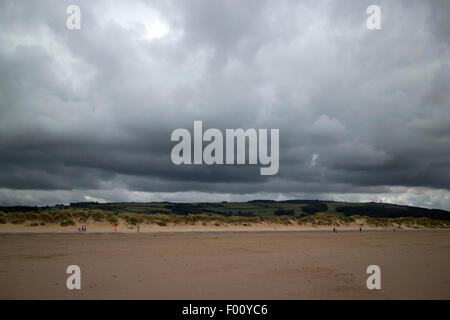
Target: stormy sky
{"type": "Point", "coordinates": [86, 115]}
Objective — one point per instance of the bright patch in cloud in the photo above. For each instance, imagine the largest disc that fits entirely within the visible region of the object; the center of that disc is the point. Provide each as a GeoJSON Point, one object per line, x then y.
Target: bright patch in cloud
{"type": "Point", "coordinates": [137, 17]}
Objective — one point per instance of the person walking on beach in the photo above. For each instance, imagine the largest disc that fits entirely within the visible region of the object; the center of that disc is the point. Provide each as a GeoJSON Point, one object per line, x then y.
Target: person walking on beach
{"type": "Point", "coordinates": [360, 229]}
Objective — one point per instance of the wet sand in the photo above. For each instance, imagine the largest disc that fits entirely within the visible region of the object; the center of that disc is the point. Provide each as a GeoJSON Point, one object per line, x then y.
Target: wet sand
{"type": "Point", "coordinates": [232, 265]}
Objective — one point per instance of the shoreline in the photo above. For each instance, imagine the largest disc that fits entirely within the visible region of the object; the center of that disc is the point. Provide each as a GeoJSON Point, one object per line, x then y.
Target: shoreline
{"type": "Point", "coordinates": [206, 232]}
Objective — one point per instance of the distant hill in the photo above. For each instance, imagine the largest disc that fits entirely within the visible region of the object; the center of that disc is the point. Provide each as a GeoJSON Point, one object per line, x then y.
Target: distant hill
{"type": "Point", "coordinates": [268, 208]}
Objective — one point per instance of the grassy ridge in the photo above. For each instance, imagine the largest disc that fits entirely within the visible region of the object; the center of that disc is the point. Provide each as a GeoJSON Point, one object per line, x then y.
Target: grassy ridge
{"type": "Point", "coordinates": [258, 211]}
{"type": "Point", "coordinates": [72, 217]}
{"type": "Point", "coordinates": [269, 208]}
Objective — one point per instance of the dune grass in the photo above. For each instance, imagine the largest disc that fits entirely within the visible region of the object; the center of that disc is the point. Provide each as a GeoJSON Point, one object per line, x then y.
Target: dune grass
{"type": "Point", "coordinates": [73, 216]}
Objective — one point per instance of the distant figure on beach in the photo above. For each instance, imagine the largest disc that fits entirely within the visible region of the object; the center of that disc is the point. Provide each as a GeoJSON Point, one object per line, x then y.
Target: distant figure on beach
{"type": "Point", "coordinates": [394, 229]}
{"type": "Point", "coordinates": [360, 229]}
{"type": "Point", "coordinates": [334, 229]}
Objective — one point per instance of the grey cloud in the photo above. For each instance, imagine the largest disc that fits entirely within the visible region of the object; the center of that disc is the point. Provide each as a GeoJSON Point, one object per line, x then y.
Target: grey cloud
{"type": "Point", "coordinates": [93, 109]}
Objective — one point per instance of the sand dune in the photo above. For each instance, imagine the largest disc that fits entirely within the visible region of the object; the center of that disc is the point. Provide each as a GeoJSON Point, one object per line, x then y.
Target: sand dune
{"type": "Point", "coordinates": [93, 226]}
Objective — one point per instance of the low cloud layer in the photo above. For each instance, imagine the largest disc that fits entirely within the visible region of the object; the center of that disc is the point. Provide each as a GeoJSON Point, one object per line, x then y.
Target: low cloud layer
{"type": "Point", "coordinates": [87, 114]}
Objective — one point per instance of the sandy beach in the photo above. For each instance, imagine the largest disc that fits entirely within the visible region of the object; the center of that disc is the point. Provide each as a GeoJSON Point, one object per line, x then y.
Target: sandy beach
{"type": "Point", "coordinates": [227, 265]}
{"type": "Point", "coordinates": [123, 227]}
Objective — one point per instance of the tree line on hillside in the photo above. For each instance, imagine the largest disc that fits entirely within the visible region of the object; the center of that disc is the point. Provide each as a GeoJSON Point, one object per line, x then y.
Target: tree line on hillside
{"type": "Point", "coordinates": [312, 208]}
{"type": "Point", "coordinates": [375, 210]}
{"type": "Point", "coordinates": [393, 211]}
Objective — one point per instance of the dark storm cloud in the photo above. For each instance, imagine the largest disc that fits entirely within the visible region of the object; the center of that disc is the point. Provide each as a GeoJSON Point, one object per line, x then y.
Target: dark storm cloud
{"type": "Point", "coordinates": [91, 111]}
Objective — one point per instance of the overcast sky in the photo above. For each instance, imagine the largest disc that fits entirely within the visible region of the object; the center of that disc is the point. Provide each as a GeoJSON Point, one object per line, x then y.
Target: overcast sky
{"type": "Point", "coordinates": [86, 115]}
